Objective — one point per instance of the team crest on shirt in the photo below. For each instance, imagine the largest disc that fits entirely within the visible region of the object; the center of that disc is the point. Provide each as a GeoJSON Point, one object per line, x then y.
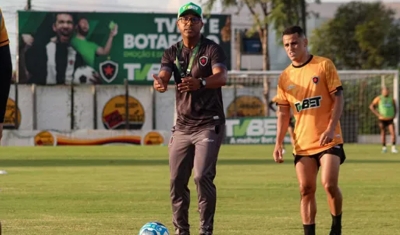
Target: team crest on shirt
{"type": "Point", "coordinates": [203, 60]}
{"type": "Point", "coordinates": [315, 79]}
{"type": "Point", "coordinates": [108, 70]}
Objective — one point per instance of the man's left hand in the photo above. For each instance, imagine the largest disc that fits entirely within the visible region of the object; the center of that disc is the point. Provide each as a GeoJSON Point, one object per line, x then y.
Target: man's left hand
{"type": "Point", "coordinates": [114, 31]}
{"type": "Point", "coordinates": [189, 84]}
{"type": "Point", "coordinates": [326, 137]}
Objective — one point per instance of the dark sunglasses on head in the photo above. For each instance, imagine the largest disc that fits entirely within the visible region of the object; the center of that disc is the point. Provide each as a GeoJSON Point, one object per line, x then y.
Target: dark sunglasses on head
{"type": "Point", "coordinates": [194, 20]}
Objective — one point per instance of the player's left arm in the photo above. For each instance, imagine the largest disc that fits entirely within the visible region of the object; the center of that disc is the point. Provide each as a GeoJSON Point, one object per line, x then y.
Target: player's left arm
{"type": "Point", "coordinates": [395, 107]}
{"type": "Point", "coordinates": [219, 69]}
{"type": "Point", "coordinates": [336, 92]}
{"type": "Point", "coordinates": [5, 69]}
{"type": "Point", "coordinates": [107, 48]}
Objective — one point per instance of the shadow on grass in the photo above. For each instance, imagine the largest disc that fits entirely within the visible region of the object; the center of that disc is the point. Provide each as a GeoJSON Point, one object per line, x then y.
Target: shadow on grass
{"type": "Point", "coordinates": [133, 162]}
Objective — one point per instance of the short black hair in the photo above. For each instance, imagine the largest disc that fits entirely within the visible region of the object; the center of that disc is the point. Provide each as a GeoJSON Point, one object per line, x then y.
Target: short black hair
{"type": "Point", "coordinates": [294, 29]}
{"type": "Point", "coordinates": [80, 17]}
{"type": "Point", "coordinates": [62, 13]}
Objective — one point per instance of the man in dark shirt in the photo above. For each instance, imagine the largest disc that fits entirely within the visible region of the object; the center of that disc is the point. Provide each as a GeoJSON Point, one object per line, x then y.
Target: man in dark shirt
{"type": "Point", "coordinates": [199, 68]}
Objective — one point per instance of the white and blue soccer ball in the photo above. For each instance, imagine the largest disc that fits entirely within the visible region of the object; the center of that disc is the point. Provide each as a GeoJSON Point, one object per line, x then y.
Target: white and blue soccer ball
{"type": "Point", "coordinates": [154, 228]}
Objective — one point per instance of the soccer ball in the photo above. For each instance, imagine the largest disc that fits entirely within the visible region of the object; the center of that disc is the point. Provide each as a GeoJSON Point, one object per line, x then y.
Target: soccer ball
{"type": "Point", "coordinates": [84, 75]}
{"type": "Point", "coordinates": [154, 228]}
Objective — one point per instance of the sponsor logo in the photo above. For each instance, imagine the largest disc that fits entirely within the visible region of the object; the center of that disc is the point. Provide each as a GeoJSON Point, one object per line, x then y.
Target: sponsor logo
{"type": "Point", "coordinates": [12, 117]}
{"type": "Point", "coordinates": [203, 60]}
{"type": "Point", "coordinates": [246, 106]}
{"type": "Point", "coordinates": [116, 112]}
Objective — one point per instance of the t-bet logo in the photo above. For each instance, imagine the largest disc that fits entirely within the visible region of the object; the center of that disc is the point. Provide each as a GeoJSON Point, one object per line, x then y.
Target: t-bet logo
{"type": "Point", "coordinates": [308, 103]}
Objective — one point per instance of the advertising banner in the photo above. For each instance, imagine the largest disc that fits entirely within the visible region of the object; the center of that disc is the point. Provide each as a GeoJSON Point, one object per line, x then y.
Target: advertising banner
{"type": "Point", "coordinates": [251, 130]}
{"type": "Point", "coordinates": [101, 48]}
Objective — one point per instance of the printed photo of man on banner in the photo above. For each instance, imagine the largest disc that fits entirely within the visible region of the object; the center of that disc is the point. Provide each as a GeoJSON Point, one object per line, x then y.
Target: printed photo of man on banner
{"type": "Point", "coordinates": [83, 48]}
{"type": "Point", "coordinates": [68, 56]}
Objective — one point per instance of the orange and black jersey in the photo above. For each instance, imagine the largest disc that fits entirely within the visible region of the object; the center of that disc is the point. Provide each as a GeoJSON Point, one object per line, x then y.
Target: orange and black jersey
{"type": "Point", "coordinates": [308, 90]}
{"type": "Point", "coordinates": [274, 103]}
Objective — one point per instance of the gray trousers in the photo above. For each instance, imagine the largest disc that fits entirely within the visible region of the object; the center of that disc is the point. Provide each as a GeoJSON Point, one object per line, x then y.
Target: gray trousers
{"type": "Point", "coordinates": [198, 151]}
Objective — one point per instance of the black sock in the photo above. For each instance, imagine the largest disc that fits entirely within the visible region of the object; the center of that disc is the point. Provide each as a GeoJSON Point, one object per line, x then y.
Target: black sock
{"type": "Point", "coordinates": [309, 229]}
{"type": "Point", "coordinates": [337, 222]}
{"type": "Point", "coordinates": [394, 143]}
{"type": "Point", "coordinates": [384, 144]}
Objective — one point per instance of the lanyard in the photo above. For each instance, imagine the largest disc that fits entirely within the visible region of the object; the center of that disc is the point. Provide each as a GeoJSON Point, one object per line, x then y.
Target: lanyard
{"type": "Point", "coordinates": [189, 68]}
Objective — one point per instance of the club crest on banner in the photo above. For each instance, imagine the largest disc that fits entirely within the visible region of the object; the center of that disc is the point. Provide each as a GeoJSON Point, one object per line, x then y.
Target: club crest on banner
{"type": "Point", "coordinates": [108, 70]}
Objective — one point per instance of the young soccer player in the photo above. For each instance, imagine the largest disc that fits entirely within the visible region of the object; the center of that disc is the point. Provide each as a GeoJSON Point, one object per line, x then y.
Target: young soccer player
{"type": "Point", "coordinates": [386, 113]}
{"type": "Point", "coordinates": [311, 87]}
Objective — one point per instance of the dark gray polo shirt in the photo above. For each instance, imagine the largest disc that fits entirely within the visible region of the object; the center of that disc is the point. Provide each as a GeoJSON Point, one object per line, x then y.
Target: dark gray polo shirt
{"type": "Point", "coordinates": [204, 107]}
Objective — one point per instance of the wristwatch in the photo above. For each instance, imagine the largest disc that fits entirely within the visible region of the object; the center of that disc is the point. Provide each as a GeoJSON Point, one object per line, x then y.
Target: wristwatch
{"type": "Point", "coordinates": [202, 83]}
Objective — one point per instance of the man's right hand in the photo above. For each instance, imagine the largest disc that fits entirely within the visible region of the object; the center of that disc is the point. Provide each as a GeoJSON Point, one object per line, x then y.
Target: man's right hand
{"type": "Point", "coordinates": [158, 84]}
{"type": "Point", "coordinates": [278, 155]}
{"type": "Point", "coordinates": [114, 31]}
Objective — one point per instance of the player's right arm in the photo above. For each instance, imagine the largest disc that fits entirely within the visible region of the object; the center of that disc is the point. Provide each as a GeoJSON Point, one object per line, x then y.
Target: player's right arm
{"type": "Point", "coordinates": [161, 80]}
{"type": "Point", "coordinates": [374, 103]}
{"type": "Point", "coordinates": [283, 117]}
{"type": "Point", "coordinates": [282, 123]}
{"type": "Point", "coordinates": [5, 70]}
{"type": "Point", "coordinates": [283, 114]}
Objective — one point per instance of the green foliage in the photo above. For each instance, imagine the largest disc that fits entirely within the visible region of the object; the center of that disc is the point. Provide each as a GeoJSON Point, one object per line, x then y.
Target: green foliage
{"type": "Point", "coordinates": [358, 94]}
{"type": "Point", "coordinates": [362, 35]}
{"type": "Point", "coordinates": [279, 13]}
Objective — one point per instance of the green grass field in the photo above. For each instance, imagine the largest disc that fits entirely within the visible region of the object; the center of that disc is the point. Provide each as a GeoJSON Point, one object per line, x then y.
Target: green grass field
{"type": "Point", "coordinates": [116, 189]}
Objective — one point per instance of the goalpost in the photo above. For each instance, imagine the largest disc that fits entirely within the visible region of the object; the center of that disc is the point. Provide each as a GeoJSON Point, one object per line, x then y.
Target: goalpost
{"type": "Point", "coordinates": [360, 87]}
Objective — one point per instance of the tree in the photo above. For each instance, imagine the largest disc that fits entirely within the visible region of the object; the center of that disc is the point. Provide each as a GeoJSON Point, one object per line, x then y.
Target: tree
{"type": "Point", "coordinates": [278, 13]}
{"type": "Point", "coordinates": [361, 35]}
